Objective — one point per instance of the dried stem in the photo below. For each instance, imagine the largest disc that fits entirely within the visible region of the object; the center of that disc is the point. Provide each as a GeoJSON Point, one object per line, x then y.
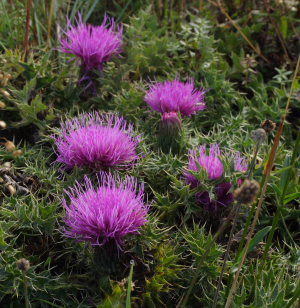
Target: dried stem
{"type": "Point", "coordinates": [26, 40]}
{"type": "Point", "coordinates": [239, 29]}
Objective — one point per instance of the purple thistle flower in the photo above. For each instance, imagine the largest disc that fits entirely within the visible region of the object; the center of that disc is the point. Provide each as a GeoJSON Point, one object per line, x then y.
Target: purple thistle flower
{"type": "Point", "coordinates": [93, 45]}
{"type": "Point", "coordinates": [214, 167]}
{"type": "Point", "coordinates": [210, 163]}
{"type": "Point", "coordinates": [108, 212]}
{"type": "Point", "coordinates": [96, 141]}
{"type": "Point", "coordinates": [175, 96]}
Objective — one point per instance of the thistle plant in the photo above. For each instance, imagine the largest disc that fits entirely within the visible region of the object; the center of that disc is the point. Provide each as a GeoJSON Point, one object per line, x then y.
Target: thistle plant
{"type": "Point", "coordinates": [212, 164]}
{"type": "Point", "coordinates": [105, 213]}
{"type": "Point", "coordinates": [92, 46]}
{"type": "Point", "coordinates": [174, 99]}
{"type": "Point", "coordinates": [98, 141]}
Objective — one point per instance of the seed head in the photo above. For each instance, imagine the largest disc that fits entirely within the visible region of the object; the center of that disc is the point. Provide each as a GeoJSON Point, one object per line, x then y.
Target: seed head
{"type": "Point", "coordinates": [259, 135]}
{"type": "Point", "coordinates": [268, 126]}
{"type": "Point", "coordinates": [246, 194]}
{"type": "Point", "coordinates": [23, 265]}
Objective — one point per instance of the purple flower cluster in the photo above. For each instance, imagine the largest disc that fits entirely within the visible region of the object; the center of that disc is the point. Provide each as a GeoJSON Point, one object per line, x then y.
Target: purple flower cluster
{"type": "Point", "coordinates": [93, 45]}
{"type": "Point", "coordinates": [175, 96]}
{"type": "Point", "coordinates": [96, 141]}
{"type": "Point", "coordinates": [211, 163]}
{"type": "Point", "coordinates": [107, 212]}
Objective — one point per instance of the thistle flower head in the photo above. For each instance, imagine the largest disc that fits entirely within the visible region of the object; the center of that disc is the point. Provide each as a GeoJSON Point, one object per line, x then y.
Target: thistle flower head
{"type": "Point", "coordinates": [175, 96]}
{"type": "Point", "coordinates": [93, 45]}
{"type": "Point", "coordinates": [96, 141]}
{"type": "Point", "coordinates": [107, 212]}
{"type": "Point", "coordinates": [211, 163]}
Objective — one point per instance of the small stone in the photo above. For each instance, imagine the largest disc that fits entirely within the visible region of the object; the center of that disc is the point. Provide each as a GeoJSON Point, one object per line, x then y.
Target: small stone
{"type": "Point", "coordinates": [9, 145]}
{"type": "Point", "coordinates": [5, 93]}
{"type": "Point", "coordinates": [7, 164]}
{"type": "Point", "coordinates": [3, 125]}
{"type": "Point", "coordinates": [11, 189]}
{"type": "Point", "coordinates": [17, 153]}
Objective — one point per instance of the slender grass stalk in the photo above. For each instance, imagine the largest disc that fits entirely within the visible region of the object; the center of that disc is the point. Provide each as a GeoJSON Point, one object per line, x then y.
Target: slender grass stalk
{"type": "Point", "coordinates": [128, 302]}
{"type": "Point", "coordinates": [267, 173]}
{"type": "Point", "coordinates": [50, 23]}
{"type": "Point", "coordinates": [200, 5]}
{"type": "Point", "coordinates": [280, 205]}
{"type": "Point", "coordinates": [252, 163]}
{"type": "Point", "coordinates": [27, 28]}
{"type": "Point", "coordinates": [206, 252]}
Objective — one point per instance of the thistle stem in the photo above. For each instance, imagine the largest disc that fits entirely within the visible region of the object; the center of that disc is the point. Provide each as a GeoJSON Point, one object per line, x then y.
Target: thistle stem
{"type": "Point", "coordinates": [202, 259]}
{"type": "Point", "coordinates": [226, 255]}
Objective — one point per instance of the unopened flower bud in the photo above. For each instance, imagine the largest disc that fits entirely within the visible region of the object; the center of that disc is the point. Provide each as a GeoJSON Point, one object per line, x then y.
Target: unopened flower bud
{"type": "Point", "coordinates": [2, 105]}
{"type": "Point", "coordinates": [171, 122]}
{"type": "Point", "coordinates": [8, 76]}
{"type": "Point", "coordinates": [169, 131]}
{"type": "Point", "coordinates": [23, 265]}
{"type": "Point", "coordinates": [268, 126]}
{"type": "Point", "coordinates": [259, 135]}
{"type": "Point", "coordinates": [247, 192]}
